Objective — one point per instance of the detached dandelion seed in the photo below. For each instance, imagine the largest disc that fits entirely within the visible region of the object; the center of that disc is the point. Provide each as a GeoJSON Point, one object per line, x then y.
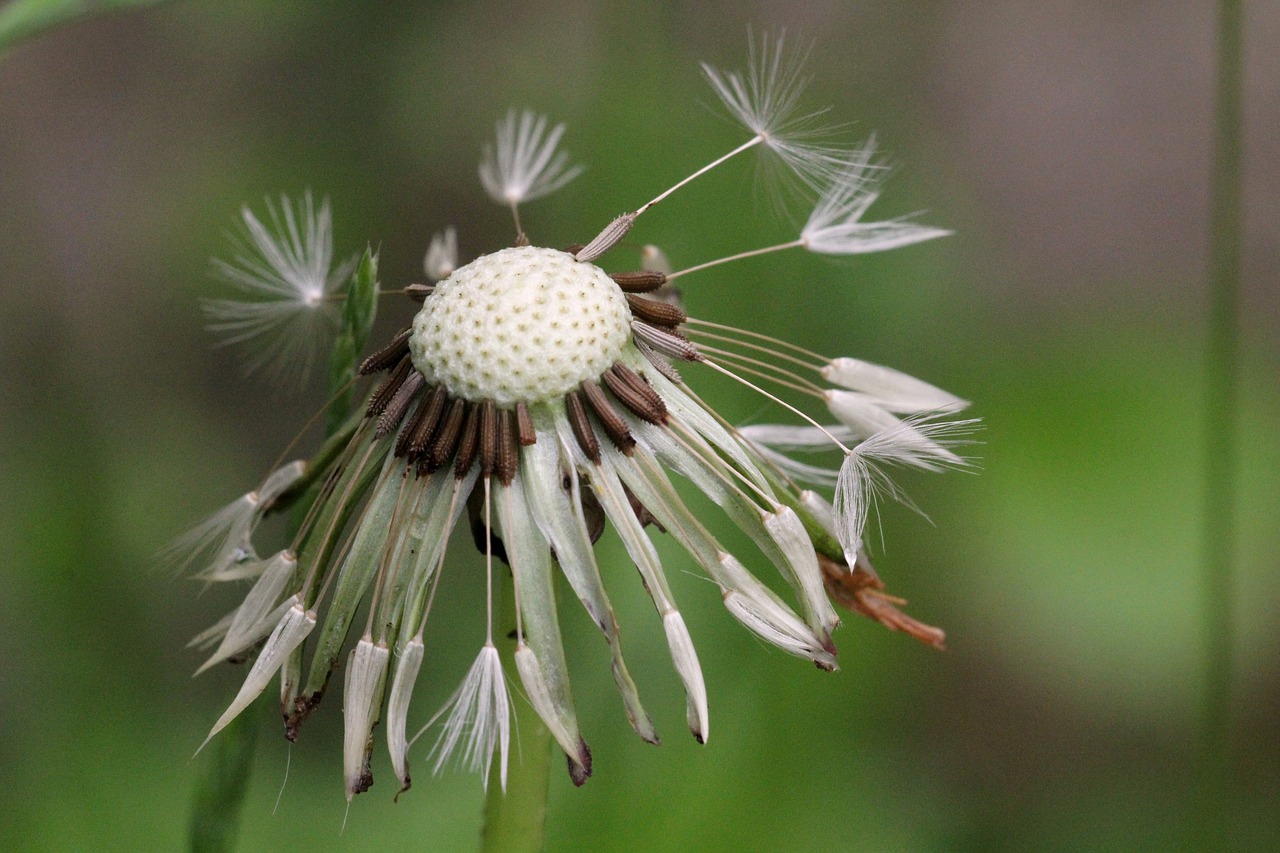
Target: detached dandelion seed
{"type": "Point", "coordinates": [766, 100]}
{"type": "Point", "coordinates": [285, 315]}
{"type": "Point", "coordinates": [442, 255]}
{"type": "Point", "coordinates": [524, 164]}
{"type": "Point", "coordinates": [540, 394]}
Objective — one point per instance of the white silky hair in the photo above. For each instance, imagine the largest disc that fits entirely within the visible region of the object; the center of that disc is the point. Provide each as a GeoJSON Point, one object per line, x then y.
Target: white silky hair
{"type": "Point", "coordinates": [834, 226]}
{"type": "Point", "coordinates": [284, 274]}
{"type": "Point", "coordinates": [442, 254]}
{"type": "Point", "coordinates": [766, 100]}
{"type": "Point", "coordinates": [480, 710]}
{"type": "Point", "coordinates": [524, 164]}
{"type": "Point", "coordinates": [914, 442]}
{"type": "Point", "coordinates": [222, 543]}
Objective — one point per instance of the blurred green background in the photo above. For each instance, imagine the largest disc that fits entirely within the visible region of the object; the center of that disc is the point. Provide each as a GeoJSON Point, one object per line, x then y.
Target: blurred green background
{"type": "Point", "coordinates": [1067, 144]}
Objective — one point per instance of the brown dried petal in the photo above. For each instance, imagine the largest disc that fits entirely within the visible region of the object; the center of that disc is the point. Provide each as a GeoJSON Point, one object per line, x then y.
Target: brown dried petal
{"type": "Point", "coordinates": [861, 591]}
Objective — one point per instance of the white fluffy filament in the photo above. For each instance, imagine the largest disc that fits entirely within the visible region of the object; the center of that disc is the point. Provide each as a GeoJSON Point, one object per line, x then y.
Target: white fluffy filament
{"type": "Point", "coordinates": [863, 478]}
{"type": "Point", "coordinates": [766, 99]}
{"type": "Point", "coordinates": [480, 713]}
{"type": "Point", "coordinates": [833, 228]}
{"type": "Point", "coordinates": [283, 272]}
{"type": "Point", "coordinates": [524, 164]}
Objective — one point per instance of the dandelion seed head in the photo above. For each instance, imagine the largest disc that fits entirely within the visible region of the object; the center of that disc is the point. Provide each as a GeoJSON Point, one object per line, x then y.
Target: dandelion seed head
{"type": "Point", "coordinates": [523, 324]}
{"type": "Point", "coordinates": [537, 392]}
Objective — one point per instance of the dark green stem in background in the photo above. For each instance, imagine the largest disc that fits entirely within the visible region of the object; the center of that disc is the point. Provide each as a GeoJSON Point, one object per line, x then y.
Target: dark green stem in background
{"type": "Point", "coordinates": [220, 786]}
{"type": "Point", "coordinates": [515, 822]}
{"type": "Point", "coordinates": [1221, 408]}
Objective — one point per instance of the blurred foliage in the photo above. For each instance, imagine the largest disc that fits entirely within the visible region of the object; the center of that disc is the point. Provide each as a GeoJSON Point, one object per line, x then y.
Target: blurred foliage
{"type": "Point", "coordinates": [358, 313]}
{"type": "Point", "coordinates": [1064, 571]}
{"type": "Point", "coordinates": [23, 19]}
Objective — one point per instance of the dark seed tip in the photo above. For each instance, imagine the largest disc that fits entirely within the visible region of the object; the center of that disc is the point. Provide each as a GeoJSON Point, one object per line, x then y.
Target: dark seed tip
{"type": "Point", "coordinates": [579, 773]}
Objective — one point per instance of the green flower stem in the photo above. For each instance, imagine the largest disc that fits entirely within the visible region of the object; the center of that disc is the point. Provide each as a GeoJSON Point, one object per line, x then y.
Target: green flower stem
{"type": "Point", "coordinates": [515, 821]}
{"type": "Point", "coordinates": [318, 466]}
{"type": "Point", "coordinates": [1213, 777]}
{"type": "Point", "coordinates": [220, 786]}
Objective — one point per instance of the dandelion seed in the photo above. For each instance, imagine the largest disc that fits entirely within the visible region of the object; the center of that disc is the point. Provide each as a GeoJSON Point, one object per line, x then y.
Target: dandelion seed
{"type": "Point", "coordinates": [835, 227]}
{"type": "Point", "coordinates": [285, 315]}
{"type": "Point", "coordinates": [541, 392]}
{"type": "Point", "coordinates": [442, 255]}
{"type": "Point", "coordinates": [524, 164]}
{"type": "Point", "coordinates": [766, 100]}
{"type": "Point", "coordinates": [479, 721]}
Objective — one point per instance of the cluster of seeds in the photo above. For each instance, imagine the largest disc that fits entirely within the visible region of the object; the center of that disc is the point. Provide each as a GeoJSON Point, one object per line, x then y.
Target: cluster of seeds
{"type": "Point", "coordinates": [536, 393]}
{"type": "Point", "coordinates": [522, 326]}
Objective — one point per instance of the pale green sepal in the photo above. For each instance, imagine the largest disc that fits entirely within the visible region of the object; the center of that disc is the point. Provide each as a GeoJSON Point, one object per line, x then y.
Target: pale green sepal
{"type": "Point", "coordinates": [745, 513]}
{"type": "Point", "coordinates": [401, 558]}
{"type": "Point", "coordinates": [359, 310]}
{"type": "Point", "coordinates": [563, 727]}
{"type": "Point", "coordinates": [259, 612]}
{"type": "Point", "coordinates": [530, 559]}
{"type": "Point", "coordinates": [559, 517]}
{"type": "Point", "coordinates": [788, 531]}
{"type": "Point", "coordinates": [751, 602]}
{"type": "Point", "coordinates": [290, 681]}
{"type": "Point", "coordinates": [613, 499]}
{"type": "Point", "coordinates": [437, 513]}
{"type": "Point", "coordinates": [280, 481]}
{"type": "Point", "coordinates": [293, 629]}
{"type": "Point", "coordinates": [337, 502]}
{"type": "Point", "coordinates": [363, 557]}
{"type": "Point", "coordinates": [820, 509]}
{"type": "Point", "coordinates": [361, 698]}
{"type": "Point", "coordinates": [407, 666]}
{"type": "Point", "coordinates": [686, 660]}
{"type": "Point", "coordinates": [755, 606]}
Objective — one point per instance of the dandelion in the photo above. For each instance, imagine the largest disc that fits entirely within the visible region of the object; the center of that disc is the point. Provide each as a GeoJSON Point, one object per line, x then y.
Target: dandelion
{"type": "Point", "coordinates": [525, 165]}
{"type": "Point", "coordinates": [442, 255]}
{"type": "Point", "coordinates": [547, 397]}
{"type": "Point", "coordinates": [286, 280]}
